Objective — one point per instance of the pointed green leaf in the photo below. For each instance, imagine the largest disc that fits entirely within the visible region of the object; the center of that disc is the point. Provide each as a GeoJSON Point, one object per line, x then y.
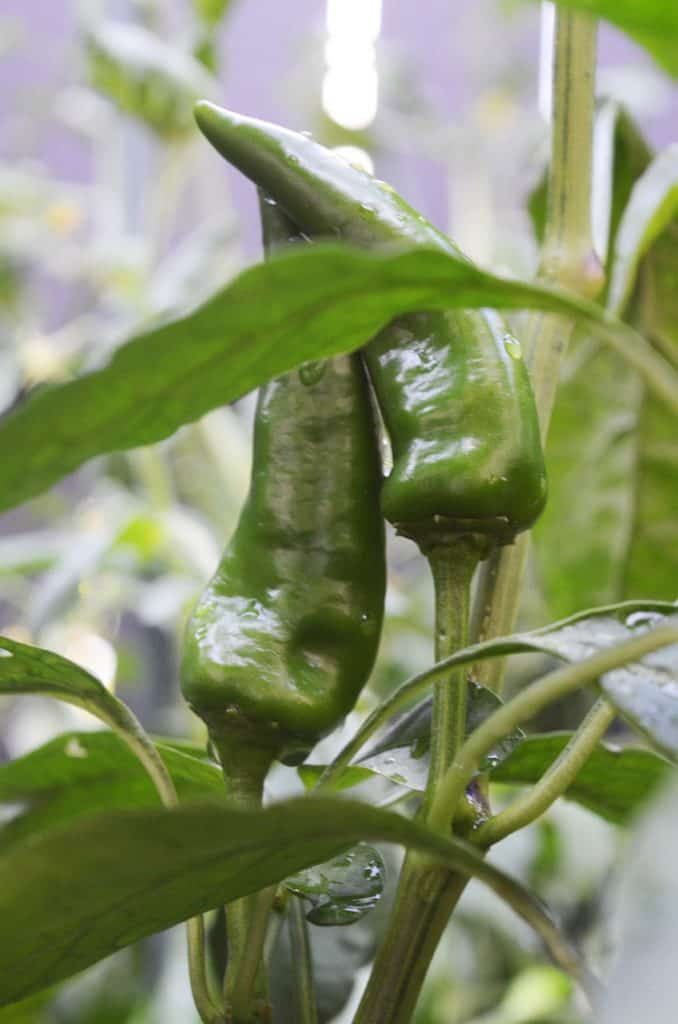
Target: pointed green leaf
{"type": "Point", "coordinates": [31, 670]}
{"type": "Point", "coordinates": [651, 208]}
{"type": "Point", "coordinates": [613, 784]}
{"type": "Point", "coordinates": [145, 76]}
{"type": "Point", "coordinates": [74, 894]}
{"type": "Point", "coordinates": [401, 752]}
{"type": "Point", "coordinates": [86, 773]}
{"type": "Point", "coordinates": [306, 303]}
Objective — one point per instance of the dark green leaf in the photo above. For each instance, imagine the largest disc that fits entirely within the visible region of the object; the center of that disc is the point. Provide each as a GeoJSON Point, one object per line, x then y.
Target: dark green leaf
{"type": "Point", "coordinates": [310, 302]}
{"type": "Point", "coordinates": [613, 783]}
{"type": "Point", "coordinates": [87, 773]}
{"type": "Point", "coordinates": [344, 889]}
{"type": "Point", "coordinates": [31, 670]}
{"type": "Point", "coordinates": [76, 893]}
{"type": "Point", "coordinates": [651, 23]}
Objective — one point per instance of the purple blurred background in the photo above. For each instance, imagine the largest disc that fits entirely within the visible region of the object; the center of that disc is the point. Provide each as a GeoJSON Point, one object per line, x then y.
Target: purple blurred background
{"type": "Point", "coordinates": [450, 50]}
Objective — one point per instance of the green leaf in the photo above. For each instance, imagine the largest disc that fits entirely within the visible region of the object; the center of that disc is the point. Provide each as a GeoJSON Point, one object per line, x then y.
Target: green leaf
{"type": "Point", "coordinates": [571, 639]}
{"type": "Point", "coordinates": [31, 670]}
{"type": "Point", "coordinates": [342, 890]}
{"type": "Point", "coordinates": [613, 784]}
{"type": "Point", "coordinates": [591, 451]}
{"type": "Point", "coordinates": [146, 77]}
{"type": "Point", "coordinates": [651, 23]}
{"type": "Point", "coordinates": [401, 753]}
{"type": "Point", "coordinates": [307, 303]}
{"type": "Point", "coordinates": [74, 894]}
{"type": "Point", "coordinates": [86, 773]}
{"type": "Point", "coordinates": [613, 466]}
{"type": "Point", "coordinates": [651, 208]}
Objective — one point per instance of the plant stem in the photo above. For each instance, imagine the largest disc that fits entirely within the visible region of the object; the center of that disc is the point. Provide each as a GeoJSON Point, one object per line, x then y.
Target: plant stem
{"type": "Point", "coordinates": [527, 704]}
{"type": "Point", "coordinates": [302, 963]}
{"type": "Point", "coordinates": [452, 569]}
{"type": "Point", "coordinates": [245, 766]}
{"type": "Point", "coordinates": [554, 782]}
{"type": "Point", "coordinates": [568, 259]}
{"type": "Point", "coordinates": [427, 893]}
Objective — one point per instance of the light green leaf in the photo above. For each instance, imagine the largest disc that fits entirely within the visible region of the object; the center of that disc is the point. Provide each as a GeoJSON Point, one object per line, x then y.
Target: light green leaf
{"type": "Point", "coordinates": [573, 639]}
{"type": "Point", "coordinates": [307, 303]}
{"type": "Point", "coordinates": [104, 882]}
{"type": "Point", "coordinates": [651, 23]}
{"type": "Point", "coordinates": [88, 773]}
{"type": "Point", "coordinates": [145, 76]}
{"type": "Point", "coordinates": [613, 784]}
{"type": "Point", "coordinates": [651, 208]}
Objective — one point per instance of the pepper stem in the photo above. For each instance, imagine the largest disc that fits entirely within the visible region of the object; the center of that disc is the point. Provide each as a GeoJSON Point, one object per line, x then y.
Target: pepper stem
{"type": "Point", "coordinates": [427, 893]}
{"type": "Point", "coordinates": [452, 569]}
{"type": "Point", "coordinates": [245, 766]}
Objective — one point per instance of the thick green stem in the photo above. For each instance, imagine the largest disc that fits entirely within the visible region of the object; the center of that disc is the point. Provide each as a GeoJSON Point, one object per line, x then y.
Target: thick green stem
{"type": "Point", "coordinates": [302, 964]}
{"type": "Point", "coordinates": [554, 782]}
{"type": "Point", "coordinates": [427, 894]}
{"type": "Point", "coordinates": [568, 259]}
{"type": "Point", "coordinates": [529, 702]}
{"type": "Point", "coordinates": [245, 766]}
{"type": "Point", "coordinates": [452, 569]}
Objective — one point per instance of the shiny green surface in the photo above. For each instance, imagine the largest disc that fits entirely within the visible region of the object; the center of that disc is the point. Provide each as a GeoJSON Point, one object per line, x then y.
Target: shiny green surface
{"type": "Point", "coordinates": [453, 388]}
{"type": "Point", "coordinates": [286, 633]}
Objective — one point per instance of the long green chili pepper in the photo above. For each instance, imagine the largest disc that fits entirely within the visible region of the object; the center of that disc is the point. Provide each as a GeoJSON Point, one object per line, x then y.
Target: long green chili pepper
{"type": "Point", "coordinates": [452, 387]}
{"type": "Point", "coordinates": [285, 635]}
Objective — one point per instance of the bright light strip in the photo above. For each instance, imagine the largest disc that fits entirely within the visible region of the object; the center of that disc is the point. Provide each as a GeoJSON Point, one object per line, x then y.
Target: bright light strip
{"type": "Point", "coordinates": [350, 90]}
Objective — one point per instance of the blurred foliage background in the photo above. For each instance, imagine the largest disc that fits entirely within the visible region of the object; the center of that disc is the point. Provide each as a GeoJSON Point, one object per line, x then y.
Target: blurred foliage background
{"type": "Point", "coordinates": [113, 212]}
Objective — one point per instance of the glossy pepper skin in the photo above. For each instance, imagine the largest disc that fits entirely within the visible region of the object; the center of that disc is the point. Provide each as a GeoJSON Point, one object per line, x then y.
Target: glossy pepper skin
{"type": "Point", "coordinates": [284, 636]}
{"type": "Point", "coordinates": [452, 386]}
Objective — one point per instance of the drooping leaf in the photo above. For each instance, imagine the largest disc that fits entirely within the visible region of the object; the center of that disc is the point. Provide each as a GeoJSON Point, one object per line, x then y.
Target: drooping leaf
{"type": "Point", "coordinates": [651, 23]}
{"type": "Point", "coordinates": [401, 752]}
{"type": "Point", "coordinates": [249, 332]}
{"type": "Point", "coordinates": [643, 983]}
{"type": "Point", "coordinates": [342, 890]}
{"type": "Point", "coordinates": [652, 206]}
{"type": "Point", "coordinates": [74, 894]}
{"type": "Point", "coordinates": [652, 555]}
{"type": "Point", "coordinates": [145, 76]}
{"type": "Point", "coordinates": [573, 639]}
{"type": "Point", "coordinates": [613, 784]}
{"type": "Point", "coordinates": [613, 466]}
{"type": "Point", "coordinates": [32, 670]}
{"type": "Point", "coordinates": [88, 773]}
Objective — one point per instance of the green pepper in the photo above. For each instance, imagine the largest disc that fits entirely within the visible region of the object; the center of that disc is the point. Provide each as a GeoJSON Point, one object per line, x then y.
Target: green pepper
{"type": "Point", "coordinates": [452, 386]}
{"type": "Point", "coordinates": [285, 635]}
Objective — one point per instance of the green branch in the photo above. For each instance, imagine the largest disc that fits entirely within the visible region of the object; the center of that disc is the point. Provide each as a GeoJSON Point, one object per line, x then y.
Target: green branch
{"type": "Point", "coordinates": [530, 702]}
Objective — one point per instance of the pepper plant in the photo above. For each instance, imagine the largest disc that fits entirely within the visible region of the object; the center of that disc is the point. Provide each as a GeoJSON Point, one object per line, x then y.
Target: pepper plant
{"type": "Point", "coordinates": [364, 324]}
